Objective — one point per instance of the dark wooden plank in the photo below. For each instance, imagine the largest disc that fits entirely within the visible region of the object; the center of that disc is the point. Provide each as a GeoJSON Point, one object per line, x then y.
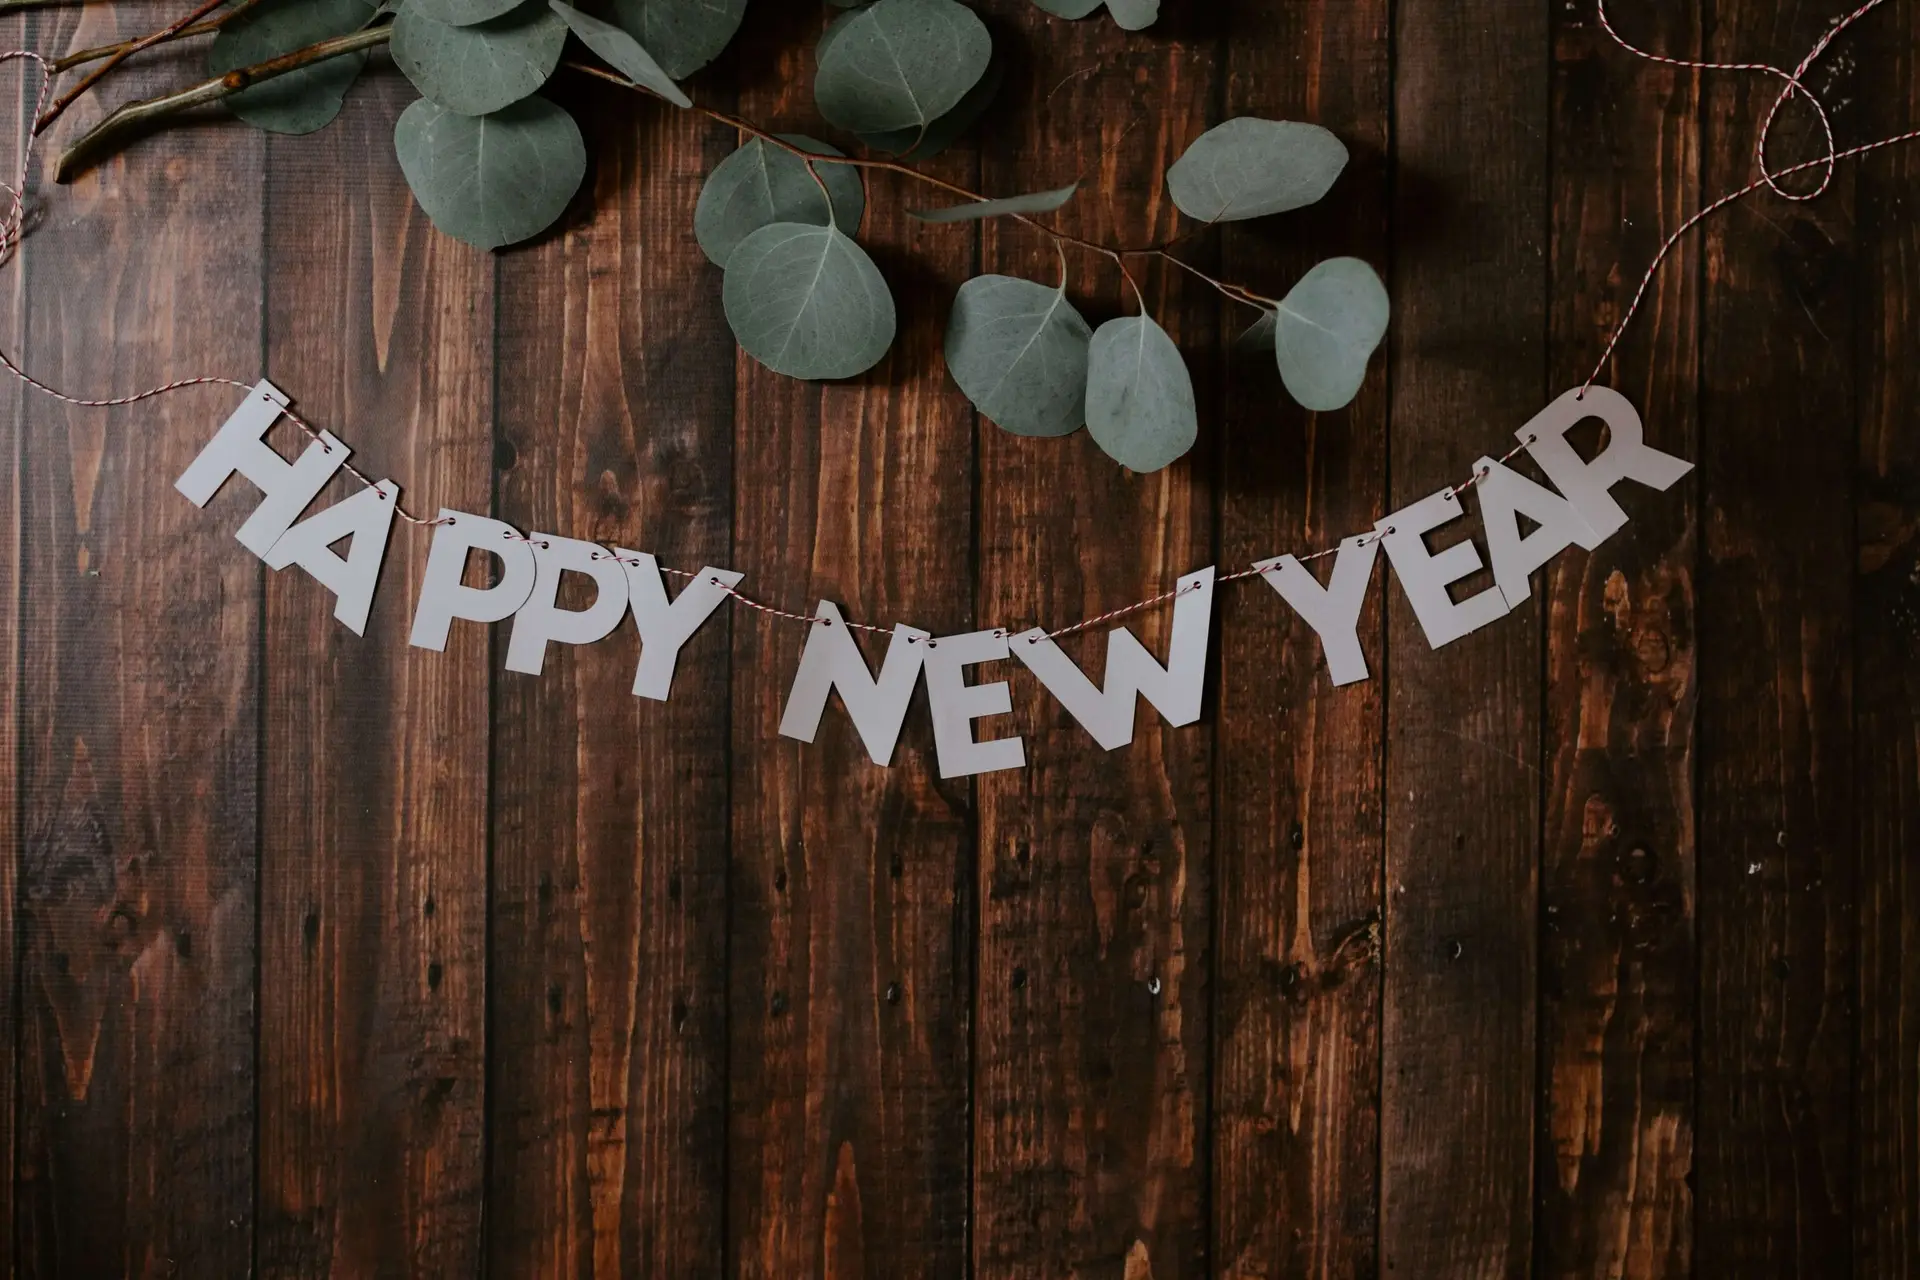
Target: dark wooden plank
{"type": "Point", "coordinates": [610, 811]}
{"type": "Point", "coordinates": [139, 765]}
{"type": "Point", "coordinates": [1617, 964]}
{"type": "Point", "coordinates": [1298, 828]}
{"type": "Point", "coordinates": [373, 864]}
{"type": "Point", "coordinates": [1886, 1100]}
{"type": "Point", "coordinates": [12, 640]}
{"type": "Point", "coordinates": [1463, 721]}
{"type": "Point", "coordinates": [1776, 933]}
{"type": "Point", "coordinates": [1090, 1087]}
{"type": "Point", "coordinates": [851, 902]}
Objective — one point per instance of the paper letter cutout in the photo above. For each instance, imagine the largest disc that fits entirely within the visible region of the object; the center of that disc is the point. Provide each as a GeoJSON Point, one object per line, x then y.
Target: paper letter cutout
{"type": "Point", "coordinates": [832, 661]}
{"type": "Point", "coordinates": [367, 518]}
{"type": "Point", "coordinates": [957, 704]}
{"type": "Point", "coordinates": [442, 595]}
{"type": "Point", "coordinates": [1503, 492]}
{"type": "Point", "coordinates": [539, 621]}
{"type": "Point", "coordinates": [1333, 611]}
{"type": "Point", "coordinates": [1424, 576]}
{"type": "Point", "coordinates": [1175, 689]}
{"type": "Point", "coordinates": [664, 627]}
{"type": "Point", "coordinates": [241, 445]}
{"type": "Point", "coordinates": [1626, 457]}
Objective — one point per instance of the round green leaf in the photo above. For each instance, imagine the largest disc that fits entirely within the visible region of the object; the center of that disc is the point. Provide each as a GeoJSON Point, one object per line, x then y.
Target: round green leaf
{"type": "Point", "coordinates": [461, 13]}
{"type": "Point", "coordinates": [1326, 330]}
{"type": "Point", "coordinates": [1249, 167]}
{"type": "Point", "coordinates": [478, 69]}
{"type": "Point", "coordinates": [1134, 15]}
{"type": "Point", "coordinates": [900, 64]}
{"type": "Point", "coordinates": [1019, 352]}
{"type": "Point", "coordinates": [300, 101]}
{"type": "Point", "coordinates": [494, 179]}
{"type": "Point", "coordinates": [1257, 336]}
{"type": "Point", "coordinates": [621, 52]}
{"type": "Point", "coordinates": [808, 302]}
{"type": "Point", "coordinates": [921, 144]}
{"type": "Point", "coordinates": [1139, 396]}
{"type": "Point", "coordinates": [682, 35]}
{"type": "Point", "coordinates": [1069, 8]}
{"type": "Point", "coordinates": [761, 184]}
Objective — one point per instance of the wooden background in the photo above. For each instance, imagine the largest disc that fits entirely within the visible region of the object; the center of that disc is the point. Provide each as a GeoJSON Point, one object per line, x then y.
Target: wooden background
{"type": "Point", "coordinates": [1587, 946]}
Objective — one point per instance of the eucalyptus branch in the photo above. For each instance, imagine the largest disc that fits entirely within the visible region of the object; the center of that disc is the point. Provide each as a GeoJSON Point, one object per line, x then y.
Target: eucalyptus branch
{"type": "Point", "coordinates": [1117, 253]}
{"type": "Point", "coordinates": [94, 77]}
{"type": "Point", "coordinates": [208, 27]}
{"type": "Point", "coordinates": [104, 135]}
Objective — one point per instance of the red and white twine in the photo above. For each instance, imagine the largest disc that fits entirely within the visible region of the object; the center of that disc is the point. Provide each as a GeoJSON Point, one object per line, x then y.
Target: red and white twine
{"type": "Point", "coordinates": [13, 222]}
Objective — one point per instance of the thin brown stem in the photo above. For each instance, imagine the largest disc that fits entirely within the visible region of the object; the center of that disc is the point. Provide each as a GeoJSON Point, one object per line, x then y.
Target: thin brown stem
{"type": "Point", "coordinates": [94, 77]}
{"type": "Point", "coordinates": [211, 25]}
{"type": "Point", "coordinates": [133, 115]}
{"type": "Point", "coordinates": [1117, 253]}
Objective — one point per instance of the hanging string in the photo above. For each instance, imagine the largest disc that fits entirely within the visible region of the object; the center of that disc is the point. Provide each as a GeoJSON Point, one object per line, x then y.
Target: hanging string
{"type": "Point", "coordinates": [1794, 85]}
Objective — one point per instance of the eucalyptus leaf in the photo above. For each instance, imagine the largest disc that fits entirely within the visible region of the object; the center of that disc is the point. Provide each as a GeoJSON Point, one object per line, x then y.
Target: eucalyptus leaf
{"type": "Point", "coordinates": [921, 144]}
{"type": "Point", "coordinates": [1257, 336]}
{"type": "Point", "coordinates": [1328, 327]}
{"type": "Point", "coordinates": [682, 35]}
{"type": "Point", "coordinates": [900, 64]}
{"type": "Point", "coordinates": [621, 52]}
{"type": "Point", "coordinates": [761, 184]}
{"type": "Point", "coordinates": [300, 101]}
{"type": "Point", "coordinates": [834, 29]}
{"type": "Point", "coordinates": [808, 302]}
{"type": "Point", "coordinates": [1069, 8]}
{"type": "Point", "coordinates": [495, 179]}
{"type": "Point", "coordinates": [461, 13]}
{"type": "Point", "coordinates": [1249, 167]}
{"type": "Point", "coordinates": [1140, 407]}
{"type": "Point", "coordinates": [1033, 202]}
{"type": "Point", "coordinates": [479, 69]}
{"type": "Point", "coordinates": [1134, 15]}
{"type": "Point", "coordinates": [1019, 352]}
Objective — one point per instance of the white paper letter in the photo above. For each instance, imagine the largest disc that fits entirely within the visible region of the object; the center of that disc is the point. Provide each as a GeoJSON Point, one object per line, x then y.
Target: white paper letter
{"type": "Point", "coordinates": [367, 518]}
{"type": "Point", "coordinates": [832, 661]}
{"type": "Point", "coordinates": [1332, 611]}
{"type": "Point", "coordinates": [539, 620]}
{"type": "Point", "coordinates": [1626, 456]}
{"type": "Point", "coordinates": [664, 627]}
{"type": "Point", "coordinates": [241, 445]}
{"type": "Point", "coordinates": [1175, 689]}
{"type": "Point", "coordinates": [442, 595]}
{"type": "Point", "coordinates": [957, 704]}
{"type": "Point", "coordinates": [1503, 492]}
{"type": "Point", "coordinates": [1424, 576]}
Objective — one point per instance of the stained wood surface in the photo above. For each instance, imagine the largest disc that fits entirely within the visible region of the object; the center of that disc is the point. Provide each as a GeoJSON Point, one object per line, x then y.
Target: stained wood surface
{"type": "Point", "coordinates": [1586, 946]}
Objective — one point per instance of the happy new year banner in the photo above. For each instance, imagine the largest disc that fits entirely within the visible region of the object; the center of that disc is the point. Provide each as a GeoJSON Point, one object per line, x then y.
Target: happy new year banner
{"type": "Point", "coordinates": [1578, 509]}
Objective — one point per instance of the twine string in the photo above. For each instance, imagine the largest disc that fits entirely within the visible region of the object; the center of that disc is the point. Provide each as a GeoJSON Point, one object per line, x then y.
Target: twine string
{"type": "Point", "coordinates": [13, 222]}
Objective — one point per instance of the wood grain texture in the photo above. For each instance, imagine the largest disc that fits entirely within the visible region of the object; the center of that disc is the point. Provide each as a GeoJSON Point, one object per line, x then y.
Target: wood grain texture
{"type": "Point", "coordinates": [1463, 722]}
{"type": "Point", "coordinates": [1298, 832]}
{"type": "Point", "coordinates": [610, 811]}
{"type": "Point", "coordinates": [1617, 969]}
{"type": "Point", "coordinates": [13, 648]}
{"type": "Point", "coordinates": [140, 754]}
{"type": "Point", "coordinates": [851, 902]}
{"type": "Point", "coordinates": [1586, 946]}
{"type": "Point", "coordinates": [1777, 981]}
{"type": "Point", "coordinates": [1090, 1085]}
{"type": "Point", "coordinates": [1886, 721]}
{"type": "Point", "coordinates": [373, 867]}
